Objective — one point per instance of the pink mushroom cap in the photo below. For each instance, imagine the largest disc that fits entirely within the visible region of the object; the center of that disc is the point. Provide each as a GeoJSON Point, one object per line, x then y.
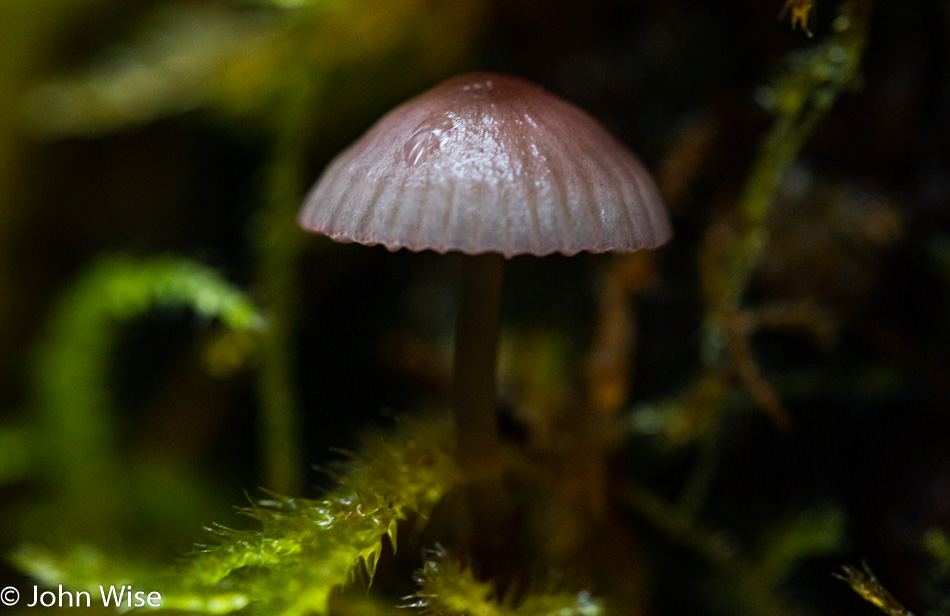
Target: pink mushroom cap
{"type": "Point", "coordinates": [488, 163]}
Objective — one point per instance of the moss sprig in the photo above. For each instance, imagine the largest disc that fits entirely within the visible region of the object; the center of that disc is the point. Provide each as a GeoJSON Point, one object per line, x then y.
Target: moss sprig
{"type": "Point", "coordinates": [449, 588]}
{"type": "Point", "coordinates": [304, 549]}
{"type": "Point", "coordinates": [864, 582]}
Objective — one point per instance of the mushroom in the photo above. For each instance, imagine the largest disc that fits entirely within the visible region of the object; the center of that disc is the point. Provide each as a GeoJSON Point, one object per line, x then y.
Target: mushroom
{"type": "Point", "coordinates": [491, 166]}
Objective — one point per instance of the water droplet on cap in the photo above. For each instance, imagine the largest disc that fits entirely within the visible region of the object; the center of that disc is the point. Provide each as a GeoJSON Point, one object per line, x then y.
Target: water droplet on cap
{"type": "Point", "coordinates": [426, 140]}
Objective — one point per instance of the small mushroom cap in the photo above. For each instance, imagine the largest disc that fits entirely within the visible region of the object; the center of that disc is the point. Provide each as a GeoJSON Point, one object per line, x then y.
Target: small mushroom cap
{"type": "Point", "coordinates": [488, 163]}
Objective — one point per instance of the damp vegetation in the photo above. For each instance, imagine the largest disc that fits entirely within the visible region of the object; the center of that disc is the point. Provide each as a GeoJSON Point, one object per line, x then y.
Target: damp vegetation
{"type": "Point", "coordinates": [679, 431]}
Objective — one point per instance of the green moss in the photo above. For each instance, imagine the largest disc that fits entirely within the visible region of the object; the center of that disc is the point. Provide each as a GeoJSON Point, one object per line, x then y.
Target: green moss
{"type": "Point", "coordinates": [867, 585]}
{"type": "Point", "coordinates": [448, 588]}
{"type": "Point", "coordinates": [305, 548]}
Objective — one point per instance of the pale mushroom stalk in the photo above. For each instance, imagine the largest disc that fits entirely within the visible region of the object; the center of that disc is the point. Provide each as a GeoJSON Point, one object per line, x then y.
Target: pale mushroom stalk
{"type": "Point", "coordinates": [475, 404]}
{"type": "Point", "coordinates": [474, 380]}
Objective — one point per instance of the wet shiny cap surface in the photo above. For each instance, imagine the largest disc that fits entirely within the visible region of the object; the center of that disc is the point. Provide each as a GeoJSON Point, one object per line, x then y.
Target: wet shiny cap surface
{"type": "Point", "coordinates": [488, 163]}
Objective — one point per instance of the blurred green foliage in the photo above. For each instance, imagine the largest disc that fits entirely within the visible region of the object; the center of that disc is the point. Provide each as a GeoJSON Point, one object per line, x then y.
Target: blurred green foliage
{"type": "Point", "coordinates": [247, 61]}
{"type": "Point", "coordinates": [71, 442]}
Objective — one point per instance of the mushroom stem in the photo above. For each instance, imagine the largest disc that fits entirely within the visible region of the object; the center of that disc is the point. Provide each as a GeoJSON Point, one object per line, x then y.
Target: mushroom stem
{"type": "Point", "coordinates": [474, 383]}
{"type": "Point", "coordinates": [474, 402]}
